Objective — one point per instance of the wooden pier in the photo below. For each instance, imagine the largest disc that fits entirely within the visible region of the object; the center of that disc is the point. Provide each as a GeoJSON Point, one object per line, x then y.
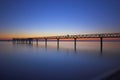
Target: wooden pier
{"type": "Point", "coordinates": [75, 37]}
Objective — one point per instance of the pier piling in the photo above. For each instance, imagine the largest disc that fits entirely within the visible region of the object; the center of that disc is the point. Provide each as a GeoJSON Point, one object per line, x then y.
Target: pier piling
{"type": "Point", "coordinates": [36, 41]}
{"type": "Point", "coordinates": [58, 43]}
{"type": "Point", "coordinates": [75, 37]}
{"type": "Point", "coordinates": [101, 44]}
{"type": "Point", "coordinates": [75, 44]}
{"type": "Point", "coordinates": [45, 42]}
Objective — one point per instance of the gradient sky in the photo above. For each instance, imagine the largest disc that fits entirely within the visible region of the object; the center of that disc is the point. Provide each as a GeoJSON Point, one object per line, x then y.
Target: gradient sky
{"type": "Point", "coordinates": [28, 18]}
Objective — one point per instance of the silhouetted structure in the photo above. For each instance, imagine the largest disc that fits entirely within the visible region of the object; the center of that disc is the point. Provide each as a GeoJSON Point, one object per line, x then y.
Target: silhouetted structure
{"type": "Point", "coordinates": [75, 37]}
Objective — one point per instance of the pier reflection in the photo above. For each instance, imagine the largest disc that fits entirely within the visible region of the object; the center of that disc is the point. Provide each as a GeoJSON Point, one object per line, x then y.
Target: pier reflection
{"type": "Point", "coordinates": [74, 46]}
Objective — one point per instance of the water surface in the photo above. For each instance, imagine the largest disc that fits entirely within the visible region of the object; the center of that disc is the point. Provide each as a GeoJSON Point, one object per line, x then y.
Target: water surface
{"type": "Point", "coordinates": [35, 62]}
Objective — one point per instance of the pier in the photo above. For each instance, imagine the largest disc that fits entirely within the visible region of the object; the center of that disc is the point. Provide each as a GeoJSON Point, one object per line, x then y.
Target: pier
{"type": "Point", "coordinates": [74, 37]}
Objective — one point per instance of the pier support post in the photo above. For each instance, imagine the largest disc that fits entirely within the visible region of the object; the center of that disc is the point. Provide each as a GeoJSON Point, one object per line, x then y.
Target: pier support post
{"type": "Point", "coordinates": [26, 41]}
{"type": "Point", "coordinates": [101, 44]}
{"type": "Point", "coordinates": [36, 41]}
{"type": "Point", "coordinates": [21, 41]}
{"type": "Point", "coordinates": [45, 42]}
{"type": "Point", "coordinates": [75, 44]}
{"type": "Point", "coordinates": [30, 41]}
{"type": "Point", "coordinates": [17, 41]}
{"type": "Point", "coordinates": [13, 40]}
{"type": "Point", "coordinates": [57, 43]}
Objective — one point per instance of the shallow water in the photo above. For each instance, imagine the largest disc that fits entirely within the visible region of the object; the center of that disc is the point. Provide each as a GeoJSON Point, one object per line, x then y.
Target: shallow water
{"type": "Point", "coordinates": [35, 62]}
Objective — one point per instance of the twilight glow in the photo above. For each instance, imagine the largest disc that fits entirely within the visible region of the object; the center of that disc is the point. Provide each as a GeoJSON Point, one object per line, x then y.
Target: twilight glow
{"type": "Point", "coordinates": [33, 18]}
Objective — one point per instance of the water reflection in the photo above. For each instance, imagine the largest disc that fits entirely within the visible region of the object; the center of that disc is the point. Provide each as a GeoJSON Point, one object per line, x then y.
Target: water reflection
{"type": "Point", "coordinates": [75, 46]}
{"type": "Point", "coordinates": [78, 47]}
{"type": "Point", "coordinates": [33, 62]}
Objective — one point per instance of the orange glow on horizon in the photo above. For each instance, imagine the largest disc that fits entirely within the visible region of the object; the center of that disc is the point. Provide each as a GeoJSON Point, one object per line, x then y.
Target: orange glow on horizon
{"type": "Point", "coordinates": [9, 36]}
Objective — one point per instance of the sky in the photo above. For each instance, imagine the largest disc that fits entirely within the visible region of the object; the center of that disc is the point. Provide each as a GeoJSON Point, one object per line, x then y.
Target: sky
{"type": "Point", "coordinates": [34, 18]}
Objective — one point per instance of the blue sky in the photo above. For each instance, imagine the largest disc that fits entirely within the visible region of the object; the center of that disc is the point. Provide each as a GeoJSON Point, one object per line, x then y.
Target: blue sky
{"type": "Point", "coordinates": [58, 17]}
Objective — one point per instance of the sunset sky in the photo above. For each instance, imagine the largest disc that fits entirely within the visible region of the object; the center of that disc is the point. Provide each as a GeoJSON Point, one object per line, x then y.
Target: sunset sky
{"type": "Point", "coordinates": [33, 18]}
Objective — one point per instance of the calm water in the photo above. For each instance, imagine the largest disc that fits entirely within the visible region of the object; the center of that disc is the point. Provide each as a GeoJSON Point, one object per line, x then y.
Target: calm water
{"type": "Point", "coordinates": [35, 62]}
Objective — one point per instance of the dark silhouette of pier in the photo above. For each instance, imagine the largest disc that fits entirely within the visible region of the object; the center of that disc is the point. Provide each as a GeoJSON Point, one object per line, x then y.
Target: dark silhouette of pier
{"type": "Point", "coordinates": [75, 37]}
